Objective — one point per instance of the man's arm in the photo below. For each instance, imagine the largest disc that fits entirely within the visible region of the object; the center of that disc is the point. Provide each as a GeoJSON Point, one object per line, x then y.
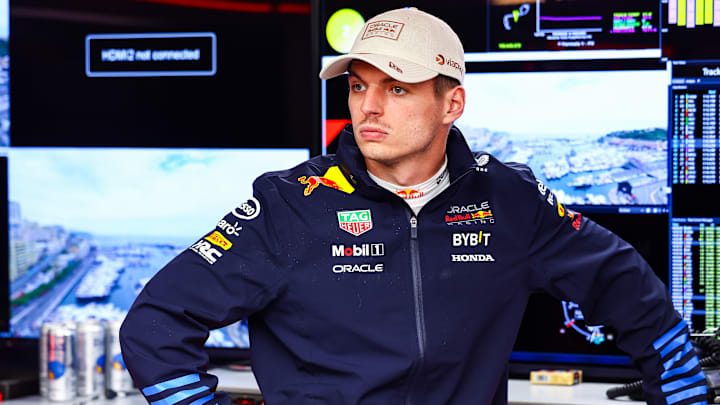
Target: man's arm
{"type": "Point", "coordinates": [575, 259]}
{"type": "Point", "coordinates": [230, 273]}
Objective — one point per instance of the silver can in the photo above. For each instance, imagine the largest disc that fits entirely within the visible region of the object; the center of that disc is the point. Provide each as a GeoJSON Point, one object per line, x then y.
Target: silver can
{"type": "Point", "coordinates": [90, 354]}
{"type": "Point", "coordinates": [43, 356]}
{"type": "Point", "coordinates": [117, 377]}
{"type": "Point", "coordinates": [61, 381]}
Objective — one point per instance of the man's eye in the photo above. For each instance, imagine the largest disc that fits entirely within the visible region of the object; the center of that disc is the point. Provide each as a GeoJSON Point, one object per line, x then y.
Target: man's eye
{"type": "Point", "coordinates": [357, 87]}
{"type": "Point", "coordinates": [398, 90]}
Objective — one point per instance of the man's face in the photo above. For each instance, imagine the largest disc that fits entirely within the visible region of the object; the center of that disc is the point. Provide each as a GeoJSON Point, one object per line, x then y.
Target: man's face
{"type": "Point", "coordinates": [394, 121]}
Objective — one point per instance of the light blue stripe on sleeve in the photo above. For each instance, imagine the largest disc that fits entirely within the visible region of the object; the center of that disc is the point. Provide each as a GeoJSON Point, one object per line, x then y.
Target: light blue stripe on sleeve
{"type": "Point", "coordinates": [680, 340]}
{"type": "Point", "coordinates": [692, 392]}
{"type": "Point", "coordinates": [174, 383]}
{"type": "Point", "coordinates": [662, 340]}
{"type": "Point", "coordinates": [179, 396]}
{"type": "Point", "coordinates": [689, 365]}
{"type": "Point", "coordinates": [202, 400]}
{"type": "Point", "coordinates": [679, 355]}
{"type": "Point", "coordinates": [677, 384]}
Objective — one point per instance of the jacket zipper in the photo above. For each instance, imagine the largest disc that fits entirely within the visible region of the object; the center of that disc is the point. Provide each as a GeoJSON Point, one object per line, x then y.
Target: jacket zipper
{"type": "Point", "coordinates": [418, 301]}
{"type": "Point", "coordinates": [418, 297]}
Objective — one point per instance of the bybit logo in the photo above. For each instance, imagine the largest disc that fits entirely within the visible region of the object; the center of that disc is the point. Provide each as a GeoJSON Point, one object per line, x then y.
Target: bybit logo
{"type": "Point", "coordinates": [471, 239]}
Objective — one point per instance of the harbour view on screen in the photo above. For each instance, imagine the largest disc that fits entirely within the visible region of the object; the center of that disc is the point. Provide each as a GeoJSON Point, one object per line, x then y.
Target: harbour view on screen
{"type": "Point", "coordinates": [90, 226]}
{"type": "Point", "coordinates": [593, 137]}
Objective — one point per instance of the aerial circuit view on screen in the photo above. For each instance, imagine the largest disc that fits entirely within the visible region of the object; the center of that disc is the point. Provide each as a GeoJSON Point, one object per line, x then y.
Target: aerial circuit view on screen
{"type": "Point", "coordinates": [573, 25]}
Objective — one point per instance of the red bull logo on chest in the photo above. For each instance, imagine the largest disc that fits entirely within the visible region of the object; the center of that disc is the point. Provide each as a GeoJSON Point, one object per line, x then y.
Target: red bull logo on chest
{"type": "Point", "coordinates": [470, 214]}
{"type": "Point", "coordinates": [332, 178]}
{"type": "Point", "coordinates": [355, 222]}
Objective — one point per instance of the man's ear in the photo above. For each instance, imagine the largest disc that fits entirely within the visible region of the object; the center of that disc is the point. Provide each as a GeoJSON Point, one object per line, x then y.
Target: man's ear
{"type": "Point", "coordinates": [455, 102]}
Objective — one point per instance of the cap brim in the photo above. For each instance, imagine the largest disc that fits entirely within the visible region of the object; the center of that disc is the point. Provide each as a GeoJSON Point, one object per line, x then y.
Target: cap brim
{"type": "Point", "coordinates": [403, 71]}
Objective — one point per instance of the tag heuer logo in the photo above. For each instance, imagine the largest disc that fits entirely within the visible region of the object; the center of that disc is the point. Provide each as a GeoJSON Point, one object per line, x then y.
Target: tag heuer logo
{"type": "Point", "coordinates": [355, 222]}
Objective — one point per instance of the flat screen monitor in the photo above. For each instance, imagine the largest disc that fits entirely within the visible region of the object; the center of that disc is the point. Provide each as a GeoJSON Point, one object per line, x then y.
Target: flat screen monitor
{"type": "Point", "coordinates": [138, 125]}
{"type": "Point", "coordinates": [579, 127]}
{"type": "Point", "coordinates": [514, 28]}
{"type": "Point", "coordinates": [88, 227]}
{"type": "Point", "coordinates": [695, 181]}
{"type": "Point", "coordinates": [583, 132]}
{"type": "Point", "coordinates": [689, 29]}
{"type": "Point", "coordinates": [159, 74]}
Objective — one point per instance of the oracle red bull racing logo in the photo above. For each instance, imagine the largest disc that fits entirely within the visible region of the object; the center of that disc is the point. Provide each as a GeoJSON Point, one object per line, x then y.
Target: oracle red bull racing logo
{"type": "Point", "coordinates": [470, 214]}
{"type": "Point", "coordinates": [355, 222]}
{"type": "Point", "coordinates": [332, 178]}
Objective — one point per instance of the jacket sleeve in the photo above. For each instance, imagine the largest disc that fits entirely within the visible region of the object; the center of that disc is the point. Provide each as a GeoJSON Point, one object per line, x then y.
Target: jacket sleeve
{"type": "Point", "coordinates": [573, 258]}
{"type": "Point", "coordinates": [230, 273]}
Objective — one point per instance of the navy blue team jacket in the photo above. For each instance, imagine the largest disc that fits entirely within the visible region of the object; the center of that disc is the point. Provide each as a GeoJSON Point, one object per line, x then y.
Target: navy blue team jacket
{"type": "Point", "coordinates": [352, 299]}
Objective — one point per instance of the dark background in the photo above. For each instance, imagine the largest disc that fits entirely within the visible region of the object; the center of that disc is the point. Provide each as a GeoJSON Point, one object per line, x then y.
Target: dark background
{"type": "Point", "coordinates": [260, 96]}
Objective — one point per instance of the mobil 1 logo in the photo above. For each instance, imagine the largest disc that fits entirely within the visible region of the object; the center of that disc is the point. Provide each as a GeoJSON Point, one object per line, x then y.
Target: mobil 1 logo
{"type": "Point", "coordinates": [361, 250]}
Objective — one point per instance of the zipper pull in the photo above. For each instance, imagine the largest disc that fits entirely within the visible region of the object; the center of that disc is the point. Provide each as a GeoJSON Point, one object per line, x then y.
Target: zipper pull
{"type": "Point", "coordinates": [413, 227]}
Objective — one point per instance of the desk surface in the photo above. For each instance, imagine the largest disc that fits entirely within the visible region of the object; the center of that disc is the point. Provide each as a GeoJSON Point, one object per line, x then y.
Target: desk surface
{"type": "Point", "coordinates": [520, 392]}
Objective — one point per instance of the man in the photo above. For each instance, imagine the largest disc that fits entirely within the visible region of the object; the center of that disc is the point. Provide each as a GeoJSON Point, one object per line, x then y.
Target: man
{"type": "Point", "coordinates": [398, 270]}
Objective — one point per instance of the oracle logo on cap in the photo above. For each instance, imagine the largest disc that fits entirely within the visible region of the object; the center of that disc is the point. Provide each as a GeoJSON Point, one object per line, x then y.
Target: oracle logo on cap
{"type": "Point", "coordinates": [383, 29]}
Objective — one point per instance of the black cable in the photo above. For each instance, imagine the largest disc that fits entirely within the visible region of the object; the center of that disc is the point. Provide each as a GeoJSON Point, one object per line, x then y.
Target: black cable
{"type": "Point", "coordinates": [707, 344]}
{"type": "Point", "coordinates": [711, 361]}
{"type": "Point", "coordinates": [632, 389]}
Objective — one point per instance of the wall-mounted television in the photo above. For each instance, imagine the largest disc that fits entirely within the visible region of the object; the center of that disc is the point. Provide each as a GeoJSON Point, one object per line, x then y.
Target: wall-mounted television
{"type": "Point", "coordinates": [88, 227]}
{"type": "Point", "coordinates": [140, 110]}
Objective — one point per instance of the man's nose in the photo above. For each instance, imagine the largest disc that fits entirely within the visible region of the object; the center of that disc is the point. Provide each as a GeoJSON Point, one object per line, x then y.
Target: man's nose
{"type": "Point", "coordinates": [373, 101]}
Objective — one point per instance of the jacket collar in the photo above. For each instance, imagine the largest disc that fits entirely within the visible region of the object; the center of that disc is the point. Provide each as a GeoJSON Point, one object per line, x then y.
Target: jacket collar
{"type": "Point", "coordinates": [460, 158]}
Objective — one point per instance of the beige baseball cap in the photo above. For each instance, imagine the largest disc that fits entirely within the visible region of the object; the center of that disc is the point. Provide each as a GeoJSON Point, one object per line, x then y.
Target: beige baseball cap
{"type": "Point", "coordinates": [407, 44]}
